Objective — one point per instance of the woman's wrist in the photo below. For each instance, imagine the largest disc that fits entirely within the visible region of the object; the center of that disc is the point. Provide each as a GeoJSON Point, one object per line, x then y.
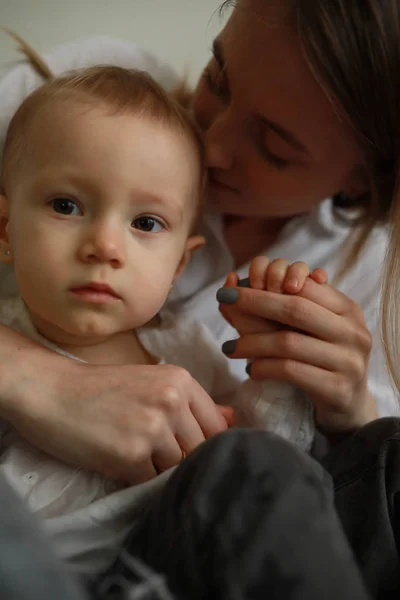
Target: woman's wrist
{"type": "Point", "coordinates": [22, 362]}
{"type": "Point", "coordinates": [342, 426]}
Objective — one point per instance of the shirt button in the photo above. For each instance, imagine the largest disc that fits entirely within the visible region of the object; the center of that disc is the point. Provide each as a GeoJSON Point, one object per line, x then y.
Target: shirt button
{"type": "Point", "coordinates": [30, 478]}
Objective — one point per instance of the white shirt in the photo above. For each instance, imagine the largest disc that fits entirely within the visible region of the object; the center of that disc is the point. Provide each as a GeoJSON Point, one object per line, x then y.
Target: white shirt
{"type": "Point", "coordinates": [87, 514]}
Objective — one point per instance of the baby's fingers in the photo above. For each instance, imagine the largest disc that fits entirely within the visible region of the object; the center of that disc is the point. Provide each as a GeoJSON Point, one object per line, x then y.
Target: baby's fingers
{"type": "Point", "coordinates": [319, 276]}
{"type": "Point", "coordinates": [296, 276]}
{"type": "Point", "coordinates": [231, 280]}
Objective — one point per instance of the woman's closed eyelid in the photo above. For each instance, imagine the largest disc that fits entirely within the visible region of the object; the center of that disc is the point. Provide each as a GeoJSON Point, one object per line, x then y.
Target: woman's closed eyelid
{"type": "Point", "coordinates": [277, 161]}
{"type": "Point", "coordinates": [258, 139]}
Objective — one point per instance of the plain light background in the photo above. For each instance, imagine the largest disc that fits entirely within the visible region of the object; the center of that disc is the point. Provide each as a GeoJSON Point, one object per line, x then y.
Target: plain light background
{"type": "Point", "coordinates": [179, 31]}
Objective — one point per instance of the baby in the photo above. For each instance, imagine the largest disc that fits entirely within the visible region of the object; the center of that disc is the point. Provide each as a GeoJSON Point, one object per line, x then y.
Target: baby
{"type": "Point", "coordinates": [103, 178]}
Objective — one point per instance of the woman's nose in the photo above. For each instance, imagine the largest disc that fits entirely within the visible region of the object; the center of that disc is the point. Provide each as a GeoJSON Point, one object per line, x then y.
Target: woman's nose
{"type": "Point", "coordinates": [220, 149]}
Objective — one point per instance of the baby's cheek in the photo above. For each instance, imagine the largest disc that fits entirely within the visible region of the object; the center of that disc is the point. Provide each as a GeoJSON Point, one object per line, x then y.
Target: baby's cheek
{"type": "Point", "coordinates": [147, 299]}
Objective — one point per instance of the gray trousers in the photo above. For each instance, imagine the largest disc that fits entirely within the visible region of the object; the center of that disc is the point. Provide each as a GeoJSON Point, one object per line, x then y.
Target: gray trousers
{"type": "Point", "coordinates": [245, 516]}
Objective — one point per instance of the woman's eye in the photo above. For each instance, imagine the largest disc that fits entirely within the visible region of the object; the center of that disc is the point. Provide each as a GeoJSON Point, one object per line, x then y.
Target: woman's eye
{"type": "Point", "coordinates": [148, 224]}
{"type": "Point", "coordinates": [65, 206]}
{"type": "Point", "coordinates": [275, 161]}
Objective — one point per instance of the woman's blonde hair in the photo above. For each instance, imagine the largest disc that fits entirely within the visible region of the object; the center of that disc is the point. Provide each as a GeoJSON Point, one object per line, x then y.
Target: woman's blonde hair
{"type": "Point", "coordinates": [390, 311]}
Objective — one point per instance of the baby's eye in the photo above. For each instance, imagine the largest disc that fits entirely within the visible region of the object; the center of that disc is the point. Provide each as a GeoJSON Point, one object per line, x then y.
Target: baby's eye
{"type": "Point", "coordinates": [65, 206]}
{"type": "Point", "coordinates": [149, 224]}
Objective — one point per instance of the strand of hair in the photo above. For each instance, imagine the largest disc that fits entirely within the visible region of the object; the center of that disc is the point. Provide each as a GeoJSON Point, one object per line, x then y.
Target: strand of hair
{"type": "Point", "coordinates": [34, 58]}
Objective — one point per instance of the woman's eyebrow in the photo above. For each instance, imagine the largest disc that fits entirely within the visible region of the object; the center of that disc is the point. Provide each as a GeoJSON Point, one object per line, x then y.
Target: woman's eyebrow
{"type": "Point", "coordinates": [218, 53]}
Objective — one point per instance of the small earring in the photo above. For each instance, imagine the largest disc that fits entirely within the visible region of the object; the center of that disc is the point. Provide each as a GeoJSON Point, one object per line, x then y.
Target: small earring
{"type": "Point", "coordinates": [7, 252]}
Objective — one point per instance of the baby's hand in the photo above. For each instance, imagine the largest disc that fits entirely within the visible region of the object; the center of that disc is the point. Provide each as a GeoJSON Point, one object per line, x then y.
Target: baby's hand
{"type": "Point", "coordinates": [278, 276]}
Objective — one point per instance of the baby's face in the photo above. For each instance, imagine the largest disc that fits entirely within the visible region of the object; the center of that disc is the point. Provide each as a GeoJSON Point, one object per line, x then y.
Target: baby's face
{"type": "Point", "coordinates": [100, 218]}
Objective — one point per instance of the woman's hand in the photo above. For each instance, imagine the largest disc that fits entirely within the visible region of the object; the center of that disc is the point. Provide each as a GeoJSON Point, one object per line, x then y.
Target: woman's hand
{"type": "Point", "coordinates": [322, 344]}
{"type": "Point", "coordinates": [127, 422]}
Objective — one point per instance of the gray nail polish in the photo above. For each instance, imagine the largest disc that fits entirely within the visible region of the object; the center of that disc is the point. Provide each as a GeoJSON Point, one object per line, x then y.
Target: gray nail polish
{"type": "Point", "coordinates": [227, 295]}
{"type": "Point", "coordinates": [229, 347]}
{"type": "Point", "coordinates": [244, 282]}
{"type": "Point", "coordinates": [248, 368]}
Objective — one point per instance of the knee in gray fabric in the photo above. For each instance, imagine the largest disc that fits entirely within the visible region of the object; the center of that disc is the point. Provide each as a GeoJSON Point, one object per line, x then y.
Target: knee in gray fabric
{"type": "Point", "coordinates": [255, 453]}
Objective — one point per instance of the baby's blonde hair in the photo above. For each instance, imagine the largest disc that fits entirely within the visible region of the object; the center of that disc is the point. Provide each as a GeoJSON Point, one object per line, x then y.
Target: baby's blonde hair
{"type": "Point", "coordinates": [119, 90]}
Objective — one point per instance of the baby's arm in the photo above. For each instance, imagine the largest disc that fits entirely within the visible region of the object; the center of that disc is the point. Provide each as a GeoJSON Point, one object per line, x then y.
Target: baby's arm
{"type": "Point", "coordinates": [268, 405]}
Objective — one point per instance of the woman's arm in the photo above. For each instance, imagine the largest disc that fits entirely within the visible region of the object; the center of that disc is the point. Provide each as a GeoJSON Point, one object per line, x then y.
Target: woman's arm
{"type": "Point", "coordinates": [124, 421]}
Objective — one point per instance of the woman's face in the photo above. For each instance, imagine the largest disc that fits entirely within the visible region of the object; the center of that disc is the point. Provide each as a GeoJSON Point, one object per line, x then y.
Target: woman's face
{"type": "Point", "coordinates": [275, 145]}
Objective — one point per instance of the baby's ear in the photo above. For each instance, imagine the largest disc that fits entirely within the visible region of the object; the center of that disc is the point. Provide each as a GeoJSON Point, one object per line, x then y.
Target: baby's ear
{"type": "Point", "coordinates": [5, 248]}
{"type": "Point", "coordinates": [195, 242]}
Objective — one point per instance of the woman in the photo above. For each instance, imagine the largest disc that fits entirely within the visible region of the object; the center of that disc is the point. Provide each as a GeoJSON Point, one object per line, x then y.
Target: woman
{"type": "Point", "coordinates": [280, 140]}
{"type": "Point", "coordinates": [298, 104]}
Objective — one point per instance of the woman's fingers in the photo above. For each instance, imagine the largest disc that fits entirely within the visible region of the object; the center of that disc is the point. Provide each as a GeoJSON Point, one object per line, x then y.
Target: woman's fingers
{"type": "Point", "coordinates": [189, 434]}
{"type": "Point", "coordinates": [206, 414]}
{"type": "Point", "coordinates": [321, 344]}
{"type": "Point", "coordinates": [332, 299]}
{"type": "Point", "coordinates": [184, 423]}
{"type": "Point", "coordinates": [244, 323]}
{"type": "Point", "coordinates": [229, 414]}
{"type": "Point", "coordinates": [332, 393]}
{"type": "Point", "coordinates": [311, 379]}
{"type": "Point", "coordinates": [276, 276]}
{"type": "Point", "coordinates": [139, 473]}
{"type": "Point", "coordinates": [294, 345]}
{"type": "Point", "coordinates": [296, 311]}
{"type": "Point", "coordinates": [171, 454]}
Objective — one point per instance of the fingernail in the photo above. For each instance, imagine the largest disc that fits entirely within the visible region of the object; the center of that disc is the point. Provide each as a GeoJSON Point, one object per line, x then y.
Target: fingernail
{"type": "Point", "coordinates": [248, 368]}
{"type": "Point", "coordinates": [227, 295]}
{"type": "Point", "coordinates": [244, 282]}
{"type": "Point", "coordinates": [229, 347]}
{"type": "Point", "coordinates": [293, 282]}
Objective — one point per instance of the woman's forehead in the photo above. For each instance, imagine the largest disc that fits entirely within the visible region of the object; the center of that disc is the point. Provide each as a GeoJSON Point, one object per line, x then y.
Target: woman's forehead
{"type": "Point", "coordinates": [269, 75]}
